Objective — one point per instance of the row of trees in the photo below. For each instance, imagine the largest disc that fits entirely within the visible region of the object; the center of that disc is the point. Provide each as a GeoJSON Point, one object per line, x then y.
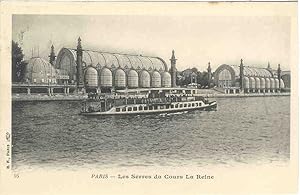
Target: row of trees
{"type": "Point", "coordinates": [18, 63]}
{"type": "Point", "coordinates": [185, 77]}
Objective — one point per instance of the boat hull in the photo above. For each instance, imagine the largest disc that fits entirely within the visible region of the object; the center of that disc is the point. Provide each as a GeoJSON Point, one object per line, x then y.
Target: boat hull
{"type": "Point", "coordinates": [208, 107]}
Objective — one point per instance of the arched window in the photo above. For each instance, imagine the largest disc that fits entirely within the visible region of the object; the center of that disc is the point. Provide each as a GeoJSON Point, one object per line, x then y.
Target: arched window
{"type": "Point", "coordinates": [225, 75]}
{"type": "Point", "coordinates": [225, 78]}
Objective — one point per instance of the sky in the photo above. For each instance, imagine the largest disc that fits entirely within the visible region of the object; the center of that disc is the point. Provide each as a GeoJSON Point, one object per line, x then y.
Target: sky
{"type": "Point", "coordinates": [196, 40]}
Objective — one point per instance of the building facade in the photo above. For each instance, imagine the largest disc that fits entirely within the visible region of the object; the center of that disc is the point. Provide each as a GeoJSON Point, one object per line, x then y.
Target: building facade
{"type": "Point", "coordinates": [236, 79]}
{"type": "Point", "coordinates": [105, 71]}
{"type": "Point", "coordinates": [40, 71]}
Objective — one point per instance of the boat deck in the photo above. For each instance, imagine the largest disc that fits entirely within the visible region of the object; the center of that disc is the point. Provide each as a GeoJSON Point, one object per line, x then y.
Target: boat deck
{"type": "Point", "coordinates": [102, 104]}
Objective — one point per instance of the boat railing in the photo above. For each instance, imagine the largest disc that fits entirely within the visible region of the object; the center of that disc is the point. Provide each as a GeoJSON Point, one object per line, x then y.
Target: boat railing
{"type": "Point", "coordinates": [119, 101]}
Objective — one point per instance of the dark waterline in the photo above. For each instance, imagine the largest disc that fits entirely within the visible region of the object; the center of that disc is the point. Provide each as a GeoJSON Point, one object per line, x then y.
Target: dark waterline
{"type": "Point", "coordinates": [242, 130]}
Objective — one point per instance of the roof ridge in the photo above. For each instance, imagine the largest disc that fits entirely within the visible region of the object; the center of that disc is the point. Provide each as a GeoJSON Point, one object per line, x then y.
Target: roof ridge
{"type": "Point", "coordinates": [250, 67]}
{"type": "Point", "coordinates": [107, 52]}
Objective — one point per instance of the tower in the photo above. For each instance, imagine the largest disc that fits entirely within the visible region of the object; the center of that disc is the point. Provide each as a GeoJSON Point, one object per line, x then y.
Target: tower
{"type": "Point", "coordinates": [209, 74]}
{"type": "Point", "coordinates": [79, 75]}
{"type": "Point", "coordinates": [279, 75]}
{"type": "Point", "coordinates": [52, 56]}
{"type": "Point", "coordinates": [269, 67]}
{"type": "Point", "coordinates": [173, 69]}
{"type": "Point", "coordinates": [241, 75]}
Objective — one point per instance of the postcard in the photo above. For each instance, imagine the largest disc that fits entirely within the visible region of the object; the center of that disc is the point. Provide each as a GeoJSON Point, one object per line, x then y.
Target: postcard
{"type": "Point", "coordinates": [149, 97]}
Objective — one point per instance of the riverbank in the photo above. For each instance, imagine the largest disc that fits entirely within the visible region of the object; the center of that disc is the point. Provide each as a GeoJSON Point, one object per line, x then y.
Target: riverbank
{"type": "Point", "coordinates": [17, 98]}
{"type": "Point", "coordinates": [245, 95]}
{"type": "Point", "coordinates": [24, 98]}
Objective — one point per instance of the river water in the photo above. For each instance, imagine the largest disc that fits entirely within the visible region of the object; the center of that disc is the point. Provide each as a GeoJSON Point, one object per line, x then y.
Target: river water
{"type": "Point", "coordinates": [242, 130]}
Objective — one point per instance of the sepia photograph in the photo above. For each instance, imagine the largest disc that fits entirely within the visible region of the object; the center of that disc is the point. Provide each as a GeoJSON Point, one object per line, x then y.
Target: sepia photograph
{"type": "Point", "coordinates": [118, 92]}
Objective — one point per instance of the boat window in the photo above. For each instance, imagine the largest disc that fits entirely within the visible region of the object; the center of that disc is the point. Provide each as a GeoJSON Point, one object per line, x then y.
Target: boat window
{"type": "Point", "coordinates": [118, 109]}
{"type": "Point", "coordinates": [193, 104]}
{"type": "Point", "coordinates": [124, 109]}
{"type": "Point", "coordinates": [161, 107]}
{"type": "Point", "coordinates": [146, 108]}
{"type": "Point", "coordinates": [172, 106]}
{"type": "Point", "coordinates": [181, 105]}
{"type": "Point", "coordinates": [141, 108]}
{"type": "Point", "coordinates": [129, 108]}
{"type": "Point", "coordinates": [167, 106]}
{"type": "Point", "coordinates": [176, 105]}
{"type": "Point", "coordinates": [155, 107]}
{"type": "Point", "coordinates": [185, 105]}
{"type": "Point", "coordinates": [134, 108]}
{"type": "Point", "coordinates": [196, 104]}
{"type": "Point", "coordinates": [150, 107]}
{"type": "Point", "coordinates": [200, 104]}
{"type": "Point", "coordinates": [189, 105]}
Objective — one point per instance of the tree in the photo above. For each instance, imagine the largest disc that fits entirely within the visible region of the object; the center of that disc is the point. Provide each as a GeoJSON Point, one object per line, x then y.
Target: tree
{"type": "Point", "coordinates": [18, 65]}
{"type": "Point", "coordinates": [179, 80]}
{"type": "Point", "coordinates": [199, 77]}
{"type": "Point", "coordinates": [187, 80]}
{"type": "Point", "coordinates": [195, 70]}
{"type": "Point", "coordinates": [204, 79]}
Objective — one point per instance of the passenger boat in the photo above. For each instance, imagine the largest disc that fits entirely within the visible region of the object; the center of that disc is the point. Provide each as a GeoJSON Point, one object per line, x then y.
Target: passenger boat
{"type": "Point", "coordinates": [101, 105]}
